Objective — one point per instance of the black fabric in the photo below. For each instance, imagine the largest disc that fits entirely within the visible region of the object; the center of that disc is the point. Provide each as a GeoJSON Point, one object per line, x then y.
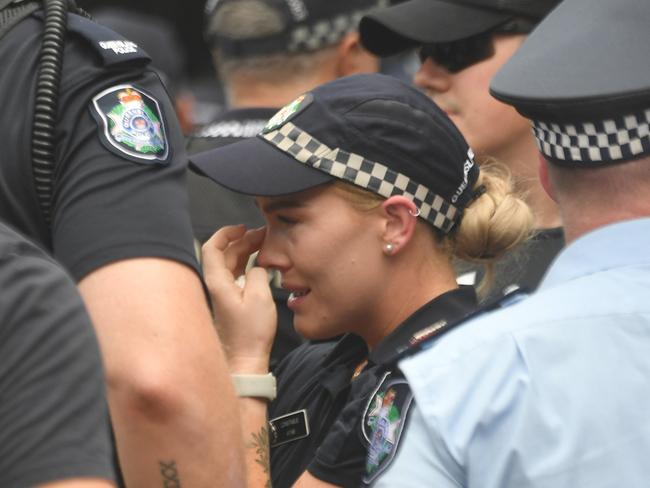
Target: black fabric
{"type": "Point", "coordinates": [523, 267]}
{"type": "Point", "coordinates": [293, 15]}
{"type": "Point", "coordinates": [53, 412]}
{"type": "Point", "coordinates": [563, 72]}
{"type": "Point", "coordinates": [375, 116]}
{"type": "Point", "coordinates": [317, 377]}
{"type": "Point", "coordinates": [105, 208]}
{"type": "Point", "coordinates": [212, 206]}
{"type": "Point", "coordinates": [417, 22]}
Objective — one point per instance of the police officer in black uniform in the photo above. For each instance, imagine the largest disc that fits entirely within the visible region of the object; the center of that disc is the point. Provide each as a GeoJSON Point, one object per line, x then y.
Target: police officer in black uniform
{"type": "Point", "coordinates": [93, 168]}
{"type": "Point", "coordinates": [262, 69]}
{"type": "Point", "coordinates": [397, 162]}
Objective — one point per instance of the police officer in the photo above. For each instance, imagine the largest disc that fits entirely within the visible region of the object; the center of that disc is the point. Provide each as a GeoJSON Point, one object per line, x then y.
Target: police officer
{"type": "Point", "coordinates": [105, 194]}
{"type": "Point", "coordinates": [356, 180]}
{"type": "Point", "coordinates": [553, 390]}
{"type": "Point", "coordinates": [267, 52]}
{"type": "Point", "coordinates": [461, 44]}
{"type": "Point", "coordinates": [53, 418]}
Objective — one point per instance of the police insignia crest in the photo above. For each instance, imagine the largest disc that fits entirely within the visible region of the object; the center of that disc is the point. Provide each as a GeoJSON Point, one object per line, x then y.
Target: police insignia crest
{"type": "Point", "coordinates": [383, 424]}
{"type": "Point", "coordinates": [131, 123]}
{"type": "Point", "coordinates": [288, 112]}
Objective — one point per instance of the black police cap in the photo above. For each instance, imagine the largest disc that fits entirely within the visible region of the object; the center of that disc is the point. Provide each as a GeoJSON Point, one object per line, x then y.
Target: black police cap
{"type": "Point", "coordinates": [583, 77]}
{"type": "Point", "coordinates": [309, 25]}
{"type": "Point", "coordinates": [416, 22]}
{"type": "Point", "coordinates": [372, 131]}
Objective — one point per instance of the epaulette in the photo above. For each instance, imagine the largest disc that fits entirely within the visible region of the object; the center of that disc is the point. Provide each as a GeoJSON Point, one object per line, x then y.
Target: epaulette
{"type": "Point", "coordinates": [112, 48]}
{"type": "Point", "coordinates": [443, 327]}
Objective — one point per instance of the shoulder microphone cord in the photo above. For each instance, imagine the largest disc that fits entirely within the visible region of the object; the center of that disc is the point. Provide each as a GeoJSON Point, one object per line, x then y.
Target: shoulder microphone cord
{"type": "Point", "coordinates": [46, 102]}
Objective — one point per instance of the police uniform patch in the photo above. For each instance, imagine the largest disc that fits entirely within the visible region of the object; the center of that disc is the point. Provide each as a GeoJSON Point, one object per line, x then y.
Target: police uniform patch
{"type": "Point", "coordinates": [288, 112]}
{"type": "Point", "coordinates": [383, 424]}
{"type": "Point", "coordinates": [131, 124]}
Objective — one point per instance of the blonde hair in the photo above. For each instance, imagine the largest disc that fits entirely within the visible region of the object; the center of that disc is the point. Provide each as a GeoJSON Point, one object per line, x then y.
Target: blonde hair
{"type": "Point", "coordinates": [492, 224]}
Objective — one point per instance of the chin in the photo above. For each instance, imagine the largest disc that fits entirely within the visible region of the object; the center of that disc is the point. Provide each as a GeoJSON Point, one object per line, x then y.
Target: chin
{"type": "Point", "coordinates": [312, 332]}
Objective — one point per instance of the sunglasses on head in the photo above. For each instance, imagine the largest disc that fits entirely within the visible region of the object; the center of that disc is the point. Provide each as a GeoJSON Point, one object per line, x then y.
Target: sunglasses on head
{"type": "Point", "coordinates": [457, 55]}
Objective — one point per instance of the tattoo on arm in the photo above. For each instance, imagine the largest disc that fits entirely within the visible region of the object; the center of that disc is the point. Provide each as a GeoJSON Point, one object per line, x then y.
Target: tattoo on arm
{"type": "Point", "coordinates": [260, 443]}
{"type": "Point", "coordinates": [169, 473]}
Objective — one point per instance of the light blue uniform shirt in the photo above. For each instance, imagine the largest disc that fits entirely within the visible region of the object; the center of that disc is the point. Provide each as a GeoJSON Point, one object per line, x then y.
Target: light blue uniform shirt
{"type": "Point", "coordinates": [550, 392]}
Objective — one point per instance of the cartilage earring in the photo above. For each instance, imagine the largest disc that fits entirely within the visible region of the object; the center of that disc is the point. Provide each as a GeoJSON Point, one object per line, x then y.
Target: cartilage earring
{"type": "Point", "coordinates": [416, 213]}
{"type": "Point", "coordinates": [388, 248]}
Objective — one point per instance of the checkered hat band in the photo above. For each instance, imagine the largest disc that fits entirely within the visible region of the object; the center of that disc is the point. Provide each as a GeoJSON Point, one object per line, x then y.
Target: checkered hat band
{"type": "Point", "coordinates": [325, 32]}
{"type": "Point", "coordinates": [607, 141]}
{"type": "Point", "coordinates": [364, 173]}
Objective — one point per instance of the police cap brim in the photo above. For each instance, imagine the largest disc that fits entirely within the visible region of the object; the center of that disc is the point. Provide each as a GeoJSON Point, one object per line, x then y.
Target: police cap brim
{"type": "Point", "coordinates": [255, 167]}
{"type": "Point", "coordinates": [415, 22]}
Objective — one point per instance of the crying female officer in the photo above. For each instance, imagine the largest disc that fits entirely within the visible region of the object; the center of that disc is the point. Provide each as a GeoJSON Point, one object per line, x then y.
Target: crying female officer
{"type": "Point", "coordinates": [368, 191]}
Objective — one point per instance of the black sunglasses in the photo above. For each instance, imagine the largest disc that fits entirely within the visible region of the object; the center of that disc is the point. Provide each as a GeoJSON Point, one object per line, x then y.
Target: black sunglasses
{"type": "Point", "coordinates": [457, 55]}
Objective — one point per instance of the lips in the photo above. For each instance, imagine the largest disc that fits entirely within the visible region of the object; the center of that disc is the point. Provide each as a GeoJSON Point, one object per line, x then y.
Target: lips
{"type": "Point", "coordinates": [296, 297]}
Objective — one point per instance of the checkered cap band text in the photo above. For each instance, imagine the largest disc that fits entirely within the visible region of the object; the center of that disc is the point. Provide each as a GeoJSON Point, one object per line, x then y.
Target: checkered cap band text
{"type": "Point", "coordinates": [607, 141]}
{"type": "Point", "coordinates": [362, 172]}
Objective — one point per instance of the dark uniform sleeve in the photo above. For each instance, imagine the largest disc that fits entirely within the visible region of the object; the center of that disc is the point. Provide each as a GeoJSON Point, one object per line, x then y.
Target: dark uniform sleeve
{"type": "Point", "coordinates": [53, 412]}
{"type": "Point", "coordinates": [110, 205]}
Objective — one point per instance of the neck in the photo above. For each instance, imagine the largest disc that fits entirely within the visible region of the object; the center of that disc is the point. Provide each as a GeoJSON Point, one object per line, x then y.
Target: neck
{"type": "Point", "coordinates": [407, 292]}
{"type": "Point", "coordinates": [522, 159]}
{"type": "Point", "coordinates": [243, 92]}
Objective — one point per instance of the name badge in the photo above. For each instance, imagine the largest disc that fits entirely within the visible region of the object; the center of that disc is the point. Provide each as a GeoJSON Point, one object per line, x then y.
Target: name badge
{"type": "Point", "coordinates": [288, 428]}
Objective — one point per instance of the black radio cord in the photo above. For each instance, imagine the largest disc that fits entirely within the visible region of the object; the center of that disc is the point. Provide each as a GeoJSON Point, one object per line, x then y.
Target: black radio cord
{"type": "Point", "coordinates": [46, 102]}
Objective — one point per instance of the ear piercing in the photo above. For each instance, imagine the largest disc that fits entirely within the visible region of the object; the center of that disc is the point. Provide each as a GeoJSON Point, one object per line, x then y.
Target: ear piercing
{"type": "Point", "coordinates": [389, 248]}
{"type": "Point", "coordinates": [416, 213]}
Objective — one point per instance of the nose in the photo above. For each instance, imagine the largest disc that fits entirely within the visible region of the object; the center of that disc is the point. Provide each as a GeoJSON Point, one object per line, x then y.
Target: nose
{"type": "Point", "coordinates": [272, 255]}
{"type": "Point", "coordinates": [432, 77]}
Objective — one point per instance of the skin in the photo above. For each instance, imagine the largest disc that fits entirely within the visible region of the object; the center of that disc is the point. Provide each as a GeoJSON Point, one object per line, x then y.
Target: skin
{"type": "Point", "coordinates": [166, 375]}
{"type": "Point", "coordinates": [334, 252]}
{"type": "Point", "coordinates": [493, 129]}
{"type": "Point", "coordinates": [79, 483]}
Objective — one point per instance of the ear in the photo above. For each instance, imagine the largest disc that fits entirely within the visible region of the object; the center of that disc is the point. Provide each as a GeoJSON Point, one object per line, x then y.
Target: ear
{"type": "Point", "coordinates": [353, 58]}
{"type": "Point", "coordinates": [401, 220]}
{"type": "Point", "coordinates": [545, 178]}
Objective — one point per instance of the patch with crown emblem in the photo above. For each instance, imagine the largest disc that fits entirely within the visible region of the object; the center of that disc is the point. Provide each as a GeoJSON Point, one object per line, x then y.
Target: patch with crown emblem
{"type": "Point", "coordinates": [383, 424]}
{"type": "Point", "coordinates": [131, 124]}
{"type": "Point", "coordinates": [288, 112]}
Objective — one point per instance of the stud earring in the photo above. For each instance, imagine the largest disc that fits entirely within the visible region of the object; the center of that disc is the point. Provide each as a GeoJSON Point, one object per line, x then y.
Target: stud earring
{"type": "Point", "coordinates": [388, 248]}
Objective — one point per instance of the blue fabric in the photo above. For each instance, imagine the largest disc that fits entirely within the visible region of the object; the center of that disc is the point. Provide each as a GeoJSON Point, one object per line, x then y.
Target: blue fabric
{"type": "Point", "coordinates": [550, 392]}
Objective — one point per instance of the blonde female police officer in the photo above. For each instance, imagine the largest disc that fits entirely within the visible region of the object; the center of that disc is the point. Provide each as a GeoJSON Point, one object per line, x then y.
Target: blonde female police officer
{"type": "Point", "coordinates": [368, 190]}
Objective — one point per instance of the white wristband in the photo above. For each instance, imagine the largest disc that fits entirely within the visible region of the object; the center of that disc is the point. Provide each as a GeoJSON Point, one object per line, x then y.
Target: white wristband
{"type": "Point", "coordinates": [255, 385]}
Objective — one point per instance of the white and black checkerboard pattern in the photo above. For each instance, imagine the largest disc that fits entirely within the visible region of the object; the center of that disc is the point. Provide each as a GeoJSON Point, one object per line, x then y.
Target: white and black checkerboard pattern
{"type": "Point", "coordinates": [326, 32]}
{"type": "Point", "coordinates": [362, 172]}
{"type": "Point", "coordinates": [611, 140]}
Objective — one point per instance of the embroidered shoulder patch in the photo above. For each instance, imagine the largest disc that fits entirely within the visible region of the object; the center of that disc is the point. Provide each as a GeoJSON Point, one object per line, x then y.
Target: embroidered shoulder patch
{"type": "Point", "coordinates": [383, 423]}
{"type": "Point", "coordinates": [131, 124]}
{"type": "Point", "coordinates": [288, 112]}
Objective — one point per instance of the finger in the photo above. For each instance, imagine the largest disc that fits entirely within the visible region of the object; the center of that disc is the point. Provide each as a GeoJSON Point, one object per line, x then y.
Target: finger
{"type": "Point", "coordinates": [213, 249]}
{"type": "Point", "coordinates": [257, 284]}
{"type": "Point", "coordinates": [237, 254]}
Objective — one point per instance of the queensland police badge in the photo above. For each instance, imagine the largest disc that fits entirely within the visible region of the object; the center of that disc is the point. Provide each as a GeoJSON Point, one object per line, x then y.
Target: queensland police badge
{"type": "Point", "coordinates": [131, 124]}
{"type": "Point", "coordinates": [383, 424]}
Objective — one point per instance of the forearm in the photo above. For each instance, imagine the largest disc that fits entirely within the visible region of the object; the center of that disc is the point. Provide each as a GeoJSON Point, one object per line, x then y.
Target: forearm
{"type": "Point", "coordinates": [172, 403]}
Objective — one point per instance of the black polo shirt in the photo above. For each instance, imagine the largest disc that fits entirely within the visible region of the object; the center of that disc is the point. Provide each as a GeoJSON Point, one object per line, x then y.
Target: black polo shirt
{"type": "Point", "coordinates": [317, 378]}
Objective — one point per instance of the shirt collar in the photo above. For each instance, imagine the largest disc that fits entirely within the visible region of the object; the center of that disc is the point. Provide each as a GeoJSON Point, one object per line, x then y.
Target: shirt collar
{"type": "Point", "coordinates": [447, 308]}
{"type": "Point", "coordinates": [611, 246]}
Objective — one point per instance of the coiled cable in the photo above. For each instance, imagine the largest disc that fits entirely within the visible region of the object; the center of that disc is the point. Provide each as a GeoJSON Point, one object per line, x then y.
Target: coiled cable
{"type": "Point", "coordinates": [46, 102]}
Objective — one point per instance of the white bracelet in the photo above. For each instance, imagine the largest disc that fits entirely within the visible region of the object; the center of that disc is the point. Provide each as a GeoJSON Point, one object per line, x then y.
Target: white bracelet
{"type": "Point", "coordinates": [255, 385]}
